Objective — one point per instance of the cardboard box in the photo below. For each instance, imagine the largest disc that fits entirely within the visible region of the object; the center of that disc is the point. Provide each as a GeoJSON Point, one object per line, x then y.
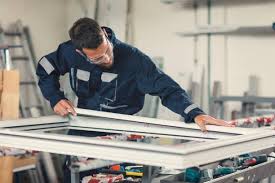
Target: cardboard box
{"type": "Point", "coordinates": [9, 94]}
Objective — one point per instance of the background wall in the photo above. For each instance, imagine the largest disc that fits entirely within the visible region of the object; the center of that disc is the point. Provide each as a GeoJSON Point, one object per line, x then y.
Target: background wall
{"type": "Point", "coordinates": [153, 29]}
{"type": "Point", "coordinates": [233, 58]}
{"type": "Point", "coordinates": [46, 19]}
{"type": "Point", "coordinates": [110, 13]}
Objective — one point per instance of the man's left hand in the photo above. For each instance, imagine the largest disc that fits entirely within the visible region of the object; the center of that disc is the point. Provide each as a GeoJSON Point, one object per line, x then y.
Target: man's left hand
{"type": "Point", "coordinates": [203, 120]}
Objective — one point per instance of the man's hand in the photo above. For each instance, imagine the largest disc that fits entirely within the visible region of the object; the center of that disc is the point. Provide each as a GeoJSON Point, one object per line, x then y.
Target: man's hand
{"type": "Point", "coordinates": [64, 107]}
{"type": "Point", "coordinates": [203, 120]}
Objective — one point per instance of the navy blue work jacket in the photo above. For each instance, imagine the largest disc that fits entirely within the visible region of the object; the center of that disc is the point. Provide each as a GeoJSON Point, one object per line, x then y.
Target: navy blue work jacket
{"type": "Point", "coordinates": [120, 89]}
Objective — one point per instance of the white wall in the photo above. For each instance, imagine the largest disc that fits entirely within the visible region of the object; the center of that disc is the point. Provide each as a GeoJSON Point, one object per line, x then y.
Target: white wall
{"type": "Point", "coordinates": [50, 20]}
{"type": "Point", "coordinates": [244, 55]}
{"type": "Point", "coordinates": [233, 58]}
{"type": "Point", "coordinates": [76, 9]}
{"type": "Point", "coordinates": [46, 20]}
{"type": "Point", "coordinates": [111, 13]}
{"type": "Point", "coordinates": [252, 55]}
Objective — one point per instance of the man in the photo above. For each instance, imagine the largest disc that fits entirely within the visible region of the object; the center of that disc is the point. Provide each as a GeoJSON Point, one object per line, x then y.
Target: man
{"type": "Point", "coordinates": [109, 75]}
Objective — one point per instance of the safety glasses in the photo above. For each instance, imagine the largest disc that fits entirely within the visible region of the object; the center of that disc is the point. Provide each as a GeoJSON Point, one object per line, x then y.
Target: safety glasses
{"type": "Point", "coordinates": [103, 58]}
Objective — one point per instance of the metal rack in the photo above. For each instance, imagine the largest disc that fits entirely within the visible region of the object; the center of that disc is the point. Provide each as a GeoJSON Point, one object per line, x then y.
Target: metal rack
{"type": "Point", "coordinates": [210, 30]}
{"type": "Point", "coordinates": [264, 30]}
{"type": "Point", "coordinates": [247, 102]}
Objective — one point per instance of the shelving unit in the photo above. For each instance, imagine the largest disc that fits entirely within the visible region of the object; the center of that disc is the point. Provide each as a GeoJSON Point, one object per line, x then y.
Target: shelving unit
{"type": "Point", "coordinates": [189, 3]}
{"type": "Point", "coordinates": [245, 100]}
{"type": "Point", "coordinates": [265, 30]}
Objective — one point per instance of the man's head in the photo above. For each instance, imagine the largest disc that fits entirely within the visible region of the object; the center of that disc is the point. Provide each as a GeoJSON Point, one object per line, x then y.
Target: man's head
{"type": "Point", "coordinates": [91, 41]}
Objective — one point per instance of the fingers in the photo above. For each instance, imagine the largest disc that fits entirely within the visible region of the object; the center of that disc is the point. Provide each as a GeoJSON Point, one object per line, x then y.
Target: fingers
{"type": "Point", "coordinates": [64, 107]}
{"type": "Point", "coordinates": [60, 110]}
{"type": "Point", "coordinates": [203, 120]}
{"type": "Point", "coordinates": [199, 120]}
{"type": "Point", "coordinates": [202, 126]}
{"type": "Point", "coordinates": [69, 107]}
{"type": "Point", "coordinates": [218, 122]}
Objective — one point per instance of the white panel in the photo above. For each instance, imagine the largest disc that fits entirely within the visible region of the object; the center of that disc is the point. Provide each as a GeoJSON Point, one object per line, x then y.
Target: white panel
{"type": "Point", "coordinates": [46, 20]}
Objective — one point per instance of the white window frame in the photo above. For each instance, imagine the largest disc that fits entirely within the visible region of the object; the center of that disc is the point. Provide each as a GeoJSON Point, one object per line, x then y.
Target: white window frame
{"type": "Point", "coordinates": [219, 143]}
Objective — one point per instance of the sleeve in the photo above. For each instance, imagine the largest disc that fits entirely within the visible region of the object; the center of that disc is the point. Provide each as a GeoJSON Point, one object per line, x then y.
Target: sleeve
{"type": "Point", "coordinates": [153, 81]}
{"type": "Point", "coordinates": [49, 69]}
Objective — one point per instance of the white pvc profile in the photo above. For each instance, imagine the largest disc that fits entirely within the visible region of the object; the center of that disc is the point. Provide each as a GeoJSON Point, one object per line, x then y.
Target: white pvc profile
{"type": "Point", "coordinates": [33, 121]}
{"type": "Point", "coordinates": [141, 133]}
{"type": "Point", "coordinates": [231, 141]}
{"type": "Point", "coordinates": [138, 127]}
{"type": "Point", "coordinates": [147, 121]}
{"type": "Point", "coordinates": [148, 154]}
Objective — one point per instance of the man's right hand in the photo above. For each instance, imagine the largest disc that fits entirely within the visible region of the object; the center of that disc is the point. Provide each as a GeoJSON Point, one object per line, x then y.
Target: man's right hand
{"type": "Point", "coordinates": [64, 107]}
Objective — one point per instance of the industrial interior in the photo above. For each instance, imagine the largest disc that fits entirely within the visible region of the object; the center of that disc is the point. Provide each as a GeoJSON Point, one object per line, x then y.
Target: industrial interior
{"type": "Point", "coordinates": [137, 91]}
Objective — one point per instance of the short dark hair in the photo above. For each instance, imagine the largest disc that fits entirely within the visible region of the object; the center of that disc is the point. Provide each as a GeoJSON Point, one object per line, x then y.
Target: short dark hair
{"type": "Point", "coordinates": [86, 33]}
